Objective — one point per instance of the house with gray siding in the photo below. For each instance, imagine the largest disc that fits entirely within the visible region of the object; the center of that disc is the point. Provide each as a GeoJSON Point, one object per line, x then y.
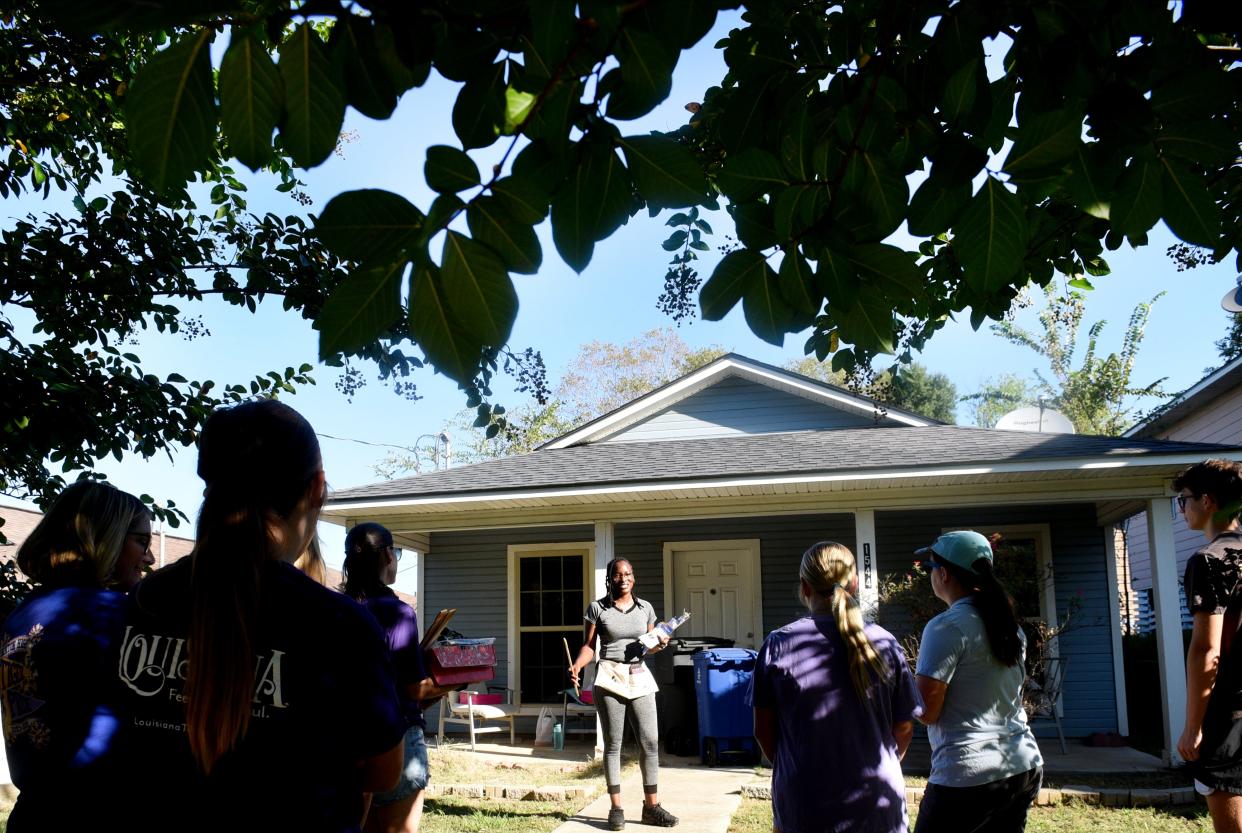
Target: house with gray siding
{"type": "Point", "coordinates": [713, 485]}
{"type": "Point", "coordinates": [1209, 411]}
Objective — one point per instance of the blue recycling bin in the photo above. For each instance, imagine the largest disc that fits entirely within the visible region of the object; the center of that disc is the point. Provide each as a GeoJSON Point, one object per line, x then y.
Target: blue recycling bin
{"type": "Point", "coordinates": [726, 724]}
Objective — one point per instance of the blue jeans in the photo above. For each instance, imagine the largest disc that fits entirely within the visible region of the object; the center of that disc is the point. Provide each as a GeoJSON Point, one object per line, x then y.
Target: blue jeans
{"type": "Point", "coordinates": [414, 774]}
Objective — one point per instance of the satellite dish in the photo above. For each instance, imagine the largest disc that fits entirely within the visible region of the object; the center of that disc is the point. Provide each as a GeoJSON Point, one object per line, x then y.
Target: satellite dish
{"type": "Point", "coordinates": [1036, 418]}
{"type": "Point", "coordinates": [1232, 302]}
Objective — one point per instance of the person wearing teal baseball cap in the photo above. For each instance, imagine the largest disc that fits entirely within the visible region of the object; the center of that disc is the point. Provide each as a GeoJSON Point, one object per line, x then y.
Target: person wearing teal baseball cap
{"type": "Point", "coordinates": [986, 766]}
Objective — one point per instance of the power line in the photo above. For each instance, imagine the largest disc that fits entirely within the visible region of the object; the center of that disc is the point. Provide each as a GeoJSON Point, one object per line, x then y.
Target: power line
{"type": "Point", "coordinates": [367, 442]}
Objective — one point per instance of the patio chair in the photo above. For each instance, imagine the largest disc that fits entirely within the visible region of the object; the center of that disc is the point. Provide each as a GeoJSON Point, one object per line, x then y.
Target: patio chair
{"type": "Point", "coordinates": [1044, 693]}
{"type": "Point", "coordinates": [572, 705]}
{"type": "Point", "coordinates": [459, 709]}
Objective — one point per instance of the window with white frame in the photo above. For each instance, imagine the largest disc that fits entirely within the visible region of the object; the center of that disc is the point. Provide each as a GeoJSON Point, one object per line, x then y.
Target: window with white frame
{"type": "Point", "coordinates": [551, 598]}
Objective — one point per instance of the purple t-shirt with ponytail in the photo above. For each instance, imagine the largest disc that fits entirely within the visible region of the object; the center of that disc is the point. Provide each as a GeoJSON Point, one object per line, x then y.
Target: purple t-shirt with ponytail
{"type": "Point", "coordinates": [836, 764]}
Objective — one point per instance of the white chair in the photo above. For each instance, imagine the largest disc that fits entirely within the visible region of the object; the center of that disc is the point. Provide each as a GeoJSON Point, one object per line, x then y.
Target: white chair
{"type": "Point", "coordinates": [453, 710]}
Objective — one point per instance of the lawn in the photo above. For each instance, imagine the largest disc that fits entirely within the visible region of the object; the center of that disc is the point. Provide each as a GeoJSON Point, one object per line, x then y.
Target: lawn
{"type": "Point", "coordinates": [755, 816]}
{"type": "Point", "coordinates": [465, 815]}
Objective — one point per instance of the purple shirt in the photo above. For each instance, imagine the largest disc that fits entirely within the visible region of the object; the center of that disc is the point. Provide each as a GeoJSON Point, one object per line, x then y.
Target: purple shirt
{"type": "Point", "coordinates": [836, 764]}
{"type": "Point", "coordinates": [400, 625]}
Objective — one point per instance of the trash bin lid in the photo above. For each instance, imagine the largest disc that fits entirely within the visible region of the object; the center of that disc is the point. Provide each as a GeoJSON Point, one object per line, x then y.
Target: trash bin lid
{"type": "Point", "coordinates": [725, 656]}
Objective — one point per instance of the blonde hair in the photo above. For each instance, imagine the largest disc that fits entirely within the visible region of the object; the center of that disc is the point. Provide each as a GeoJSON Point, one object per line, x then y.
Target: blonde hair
{"type": "Point", "coordinates": [827, 568]}
{"type": "Point", "coordinates": [80, 538]}
{"type": "Point", "coordinates": [311, 562]}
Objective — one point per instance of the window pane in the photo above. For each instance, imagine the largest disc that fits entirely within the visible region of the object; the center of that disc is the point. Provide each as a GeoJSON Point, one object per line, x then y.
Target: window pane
{"type": "Point", "coordinates": [574, 606]}
{"type": "Point", "coordinates": [543, 675]}
{"type": "Point", "coordinates": [530, 610]}
{"type": "Point", "coordinates": [529, 573]}
{"type": "Point", "coordinates": [571, 572]}
{"type": "Point", "coordinates": [550, 604]}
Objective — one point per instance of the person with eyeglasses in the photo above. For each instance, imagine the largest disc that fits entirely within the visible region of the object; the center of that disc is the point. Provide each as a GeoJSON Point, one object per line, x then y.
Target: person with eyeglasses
{"type": "Point", "coordinates": [370, 568]}
{"type": "Point", "coordinates": [1210, 498]}
{"type": "Point", "coordinates": [60, 728]}
{"type": "Point", "coordinates": [986, 768]}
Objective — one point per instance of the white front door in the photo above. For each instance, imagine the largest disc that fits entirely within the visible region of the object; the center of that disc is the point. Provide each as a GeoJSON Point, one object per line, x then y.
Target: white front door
{"type": "Point", "coordinates": [718, 582]}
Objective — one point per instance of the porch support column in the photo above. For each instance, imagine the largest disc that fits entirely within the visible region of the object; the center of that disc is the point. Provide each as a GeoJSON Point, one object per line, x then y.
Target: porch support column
{"type": "Point", "coordinates": [1163, 556]}
{"type": "Point", "coordinates": [1114, 618]}
{"type": "Point", "coordinates": [868, 572]}
{"type": "Point", "coordinates": [605, 551]}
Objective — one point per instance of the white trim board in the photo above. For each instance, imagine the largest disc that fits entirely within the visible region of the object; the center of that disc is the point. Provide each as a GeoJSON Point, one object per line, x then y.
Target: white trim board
{"type": "Point", "coordinates": [513, 553]}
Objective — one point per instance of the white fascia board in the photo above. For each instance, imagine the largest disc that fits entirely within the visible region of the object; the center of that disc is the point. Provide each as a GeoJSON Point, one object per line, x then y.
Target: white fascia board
{"type": "Point", "coordinates": [1186, 395]}
{"type": "Point", "coordinates": [691, 383]}
{"type": "Point", "coordinates": [1087, 464]}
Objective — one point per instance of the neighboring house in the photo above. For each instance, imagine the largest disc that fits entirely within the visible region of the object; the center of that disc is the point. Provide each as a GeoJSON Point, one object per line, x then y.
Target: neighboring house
{"type": "Point", "coordinates": [713, 485]}
{"type": "Point", "coordinates": [1210, 411]}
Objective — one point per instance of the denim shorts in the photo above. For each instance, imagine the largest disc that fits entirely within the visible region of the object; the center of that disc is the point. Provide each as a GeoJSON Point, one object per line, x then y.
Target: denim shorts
{"type": "Point", "coordinates": [414, 774]}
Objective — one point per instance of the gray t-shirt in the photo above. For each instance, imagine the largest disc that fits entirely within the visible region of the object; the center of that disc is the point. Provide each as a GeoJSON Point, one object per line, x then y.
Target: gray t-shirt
{"type": "Point", "coordinates": [982, 734]}
{"type": "Point", "coordinates": [618, 629]}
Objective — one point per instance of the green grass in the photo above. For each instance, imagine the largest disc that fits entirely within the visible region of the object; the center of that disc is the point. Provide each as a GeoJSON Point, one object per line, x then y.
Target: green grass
{"type": "Point", "coordinates": [463, 815]}
{"type": "Point", "coordinates": [449, 766]}
{"type": "Point", "coordinates": [755, 816]}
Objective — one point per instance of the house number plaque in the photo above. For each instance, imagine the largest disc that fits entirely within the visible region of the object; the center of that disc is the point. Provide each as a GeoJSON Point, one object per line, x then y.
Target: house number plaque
{"type": "Point", "coordinates": [867, 565]}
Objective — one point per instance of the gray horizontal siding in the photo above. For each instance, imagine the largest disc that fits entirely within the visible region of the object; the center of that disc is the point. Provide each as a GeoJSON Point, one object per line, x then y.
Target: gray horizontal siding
{"type": "Point", "coordinates": [782, 540]}
{"type": "Point", "coordinates": [1079, 568]}
{"type": "Point", "coordinates": [469, 571]}
{"type": "Point", "coordinates": [737, 406]}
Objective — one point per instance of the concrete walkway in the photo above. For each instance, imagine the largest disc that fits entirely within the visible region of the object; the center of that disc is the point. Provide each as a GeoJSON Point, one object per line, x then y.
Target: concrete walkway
{"type": "Point", "coordinates": [703, 798]}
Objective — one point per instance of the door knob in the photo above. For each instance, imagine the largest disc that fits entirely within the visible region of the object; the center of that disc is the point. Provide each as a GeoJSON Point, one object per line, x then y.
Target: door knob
{"type": "Point", "coordinates": [750, 635]}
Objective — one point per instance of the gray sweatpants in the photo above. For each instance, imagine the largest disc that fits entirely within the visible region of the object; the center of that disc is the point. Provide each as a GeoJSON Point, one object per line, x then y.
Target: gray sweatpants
{"type": "Point", "coordinates": [641, 711]}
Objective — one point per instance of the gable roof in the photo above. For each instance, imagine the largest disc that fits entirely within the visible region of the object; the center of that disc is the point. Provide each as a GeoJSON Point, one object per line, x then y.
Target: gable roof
{"type": "Point", "coordinates": [845, 454]}
{"type": "Point", "coordinates": [727, 366]}
{"type": "Point", "coordinates": [1202, 392]}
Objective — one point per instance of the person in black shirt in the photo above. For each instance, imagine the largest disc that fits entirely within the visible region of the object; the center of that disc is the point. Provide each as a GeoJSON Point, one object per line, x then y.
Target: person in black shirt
{"type": "Point", "coordinates": [1210, 498]}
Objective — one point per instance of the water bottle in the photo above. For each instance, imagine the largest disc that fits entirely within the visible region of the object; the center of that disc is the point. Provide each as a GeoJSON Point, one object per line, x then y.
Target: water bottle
{"type": "Point", "coordinates": [651, 639]}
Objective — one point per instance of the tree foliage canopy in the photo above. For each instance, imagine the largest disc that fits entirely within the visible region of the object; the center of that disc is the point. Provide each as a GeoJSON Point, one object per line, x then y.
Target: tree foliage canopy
{"type": "Point", "coordinates": [1011, 140]}
{"type": "Point", "coordinates": [1098, 121]}
{"type": "Point", "coordinates": [912, 387]}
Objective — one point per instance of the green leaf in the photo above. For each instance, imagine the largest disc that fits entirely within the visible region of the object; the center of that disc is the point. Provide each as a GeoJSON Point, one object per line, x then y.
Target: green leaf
{"type": "Point", "coordinates": [990, 239]}
{"type": "Point", "coordinates": [936, 205]}
{"type": "Point", "coordinates": [250, 99]}
{"type": "Point", "coordinates": [171, 112]}
{"type": "Point", "coordinates": [369, 225]}
{"type": "Point", "coordinates": [494, 226]}
{"type": "Point", "coordinates": [748, 173]}
{"type": "Point", "coordinates": [867, 324]}
{"type": "Point", "coordinates": [1188, 206]}
{"type": "Point", "coordinates": [798, 285]}
{"type": "Point", "coordinates": [1139, 200]}
{"type": "Point", "coordinates": [646, 74]}
{"type": "Point", "coordinates": [314, 98]}
{"type": "Point", "coordinates": [479, 112]}
{"type": "Point", "coordinates": [552, 32]}
{"type": "Point", "coordinates": [882, 192]}
{"type": "Point", "coordinates": [890, 270]}
{"type": "Point", "coordinates": [479, 291]}
{"type": "Point", "coordinates": [1081, 283]}
{"type": "Point", "coordinates": [664, 171]}
{"type": "Point", "coordinates": [1044, 141]}
{"type": "Point", "coordinates": [959, 93]}
{"type": "Point", "coordinates": [736, 274]}
{"type": "Point", "coordinates": [360, 310]}
{"type": "Point", "coordinates": [755, 225]}
{"type": "Point", "coordinates": [1089, 185]}
{"type": "Point", "coordinates": [592, 203]}
{"type": "Point", "coordinates": [1206, 142]}
{"type": "Point", "coordinates": [767, 314]}
{"type": "Point", "coordinates": [796, 209]}
{"type": "Point", "coordinates": [443, 340]}
{"type": "Point", "coordinates": [449, 170]}
{"type": "Point", "coordinates": [837, 279]}
{"type": "Point", "coordinates": [518, 106]}
{"type": "Point", "coordinates": [527, 201]}
{"type": "Point", "coordinates": [370, 86]}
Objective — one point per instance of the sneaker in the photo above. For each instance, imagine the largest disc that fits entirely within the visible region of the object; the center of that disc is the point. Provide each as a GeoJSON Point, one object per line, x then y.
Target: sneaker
{"type": "Point", "coordinates": [657, 816]}
{"type": "Point", "coordinates": [616, 819]}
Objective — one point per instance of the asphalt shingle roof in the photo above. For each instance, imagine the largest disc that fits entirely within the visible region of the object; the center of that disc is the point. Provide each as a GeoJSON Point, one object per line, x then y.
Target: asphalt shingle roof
{"type": "Point", "coordinates": [804, 452]}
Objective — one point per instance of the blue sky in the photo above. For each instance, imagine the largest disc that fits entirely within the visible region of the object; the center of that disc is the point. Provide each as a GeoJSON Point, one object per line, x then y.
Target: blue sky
{"type": "Point", "coordinates": [613, 300]}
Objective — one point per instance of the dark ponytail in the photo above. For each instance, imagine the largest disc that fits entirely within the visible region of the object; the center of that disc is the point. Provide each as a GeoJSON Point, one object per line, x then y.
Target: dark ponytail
{"type": "Point", "coordinates": [1000, 622]}
{"type": "Point", "coordinates": [365, 545]}
{"type": "Point", "coordinates": [259, 461]}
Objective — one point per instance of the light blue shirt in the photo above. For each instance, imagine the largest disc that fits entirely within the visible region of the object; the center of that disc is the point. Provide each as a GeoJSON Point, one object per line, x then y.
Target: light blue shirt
{"type": "Point", "coordinates": [982, 734]}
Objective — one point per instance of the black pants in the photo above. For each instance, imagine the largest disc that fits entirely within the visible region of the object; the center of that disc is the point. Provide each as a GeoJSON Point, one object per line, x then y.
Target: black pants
{"type": "Point", "coordinates": [996, 807]}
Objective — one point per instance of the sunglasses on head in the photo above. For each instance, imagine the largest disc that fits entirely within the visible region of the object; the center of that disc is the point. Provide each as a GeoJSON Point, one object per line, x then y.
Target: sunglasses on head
{"type": "Point", "coordinates": [928, 566]}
